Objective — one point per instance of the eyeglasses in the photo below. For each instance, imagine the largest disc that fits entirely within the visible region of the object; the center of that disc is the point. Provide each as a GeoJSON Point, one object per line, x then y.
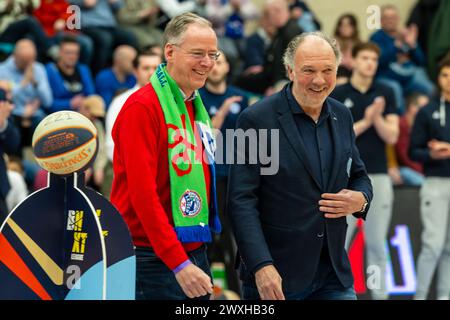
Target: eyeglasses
{"type": "Point", "coordinates": [200, 54]}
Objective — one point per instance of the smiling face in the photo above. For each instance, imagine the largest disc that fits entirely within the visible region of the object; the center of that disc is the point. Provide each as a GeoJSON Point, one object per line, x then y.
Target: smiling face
{"type": "Point", "coordinates": [189, 61]}
{"type": "Point", "coordinates": [314, 72]}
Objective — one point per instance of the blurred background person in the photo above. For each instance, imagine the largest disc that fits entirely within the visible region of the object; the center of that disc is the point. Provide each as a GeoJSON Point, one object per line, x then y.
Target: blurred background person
{"type": "Point", "coordinates": [71, 81]}
{"type": "Point", "coordinates": [430, 145]}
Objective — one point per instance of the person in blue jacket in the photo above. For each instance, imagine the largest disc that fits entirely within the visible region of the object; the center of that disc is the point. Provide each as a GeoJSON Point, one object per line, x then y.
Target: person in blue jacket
{"type": "Point", "coordinates": [70, 80]}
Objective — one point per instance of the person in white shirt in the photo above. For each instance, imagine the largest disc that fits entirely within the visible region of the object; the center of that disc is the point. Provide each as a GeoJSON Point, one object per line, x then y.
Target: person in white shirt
{"type": "Point", "coordinates": [18, 190]}
{"type": "Point", "coordinates": [144, 65]}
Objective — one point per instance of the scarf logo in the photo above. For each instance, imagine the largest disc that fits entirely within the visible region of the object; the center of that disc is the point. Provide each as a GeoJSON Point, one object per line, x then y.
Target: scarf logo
{"type": "Point", "coordinates": [190, 204]}
{"type": "Point", "coordinates": [180, 146]}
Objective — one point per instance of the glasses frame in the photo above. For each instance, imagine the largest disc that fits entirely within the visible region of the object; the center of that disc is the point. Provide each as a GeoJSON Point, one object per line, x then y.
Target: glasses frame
{"type": "Point", "coordinates": [213, 57]}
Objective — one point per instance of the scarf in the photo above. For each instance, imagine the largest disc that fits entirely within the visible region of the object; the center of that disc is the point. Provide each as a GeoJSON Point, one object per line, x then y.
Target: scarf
{"type": "Point", "coordinates": [193, 217]}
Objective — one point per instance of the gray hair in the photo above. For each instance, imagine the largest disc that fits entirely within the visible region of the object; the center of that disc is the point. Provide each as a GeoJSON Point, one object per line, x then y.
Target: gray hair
{"type": "Point", "coordinates": [178, 25]}
{"type": "Point", "coordinates": [289, 54]}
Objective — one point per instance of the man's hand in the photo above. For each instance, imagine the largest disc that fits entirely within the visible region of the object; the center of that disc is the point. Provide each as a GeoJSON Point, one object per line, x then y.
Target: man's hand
{"type": "Point", "coordinates": [219, 117]}
{"type": "Point", "coordinates": [28, 76]}
{"type": "Point", "coordinates": [341, 204]}
{"type": "Point", "coordinates": [76, 102]}
{"type": "Point", "coordinates": [379, 104]}
{"type": "Point", "coordinates": [30, 108]}
{"type": "Point", "coordinates": [59, 25]}
{"type": "Point", "coordinates": [268, 282]}
{"type": "Point", "coordinates": [395, 175]}
{"type": "Point", "coordinates": [194, 282]}
{"type": "Point", "coordinates": [410, 35]}
{"type": "Point", "coordinates": [439, 150]}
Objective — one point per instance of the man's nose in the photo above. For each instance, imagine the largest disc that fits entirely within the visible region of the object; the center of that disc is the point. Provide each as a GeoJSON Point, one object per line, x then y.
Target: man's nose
{"type": "Point", "coordinates": [318, 80]}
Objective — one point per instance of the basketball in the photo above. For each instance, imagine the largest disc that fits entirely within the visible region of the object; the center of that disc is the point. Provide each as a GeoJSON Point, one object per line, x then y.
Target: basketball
{"type": "Point", "coordinates": [65, 142]}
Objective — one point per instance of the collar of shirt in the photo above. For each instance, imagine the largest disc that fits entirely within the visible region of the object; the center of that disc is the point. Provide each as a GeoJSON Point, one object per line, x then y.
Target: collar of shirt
{"type": "Point", "coordinates": [372, 86]}
{"type": "Point", "coordinates": [297, 109]}
{"type": "Point", "coordinates": [191, 97]}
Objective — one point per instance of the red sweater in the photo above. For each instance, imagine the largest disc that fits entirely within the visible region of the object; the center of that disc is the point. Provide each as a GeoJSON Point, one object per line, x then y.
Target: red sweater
{"type": "Point", "coordinates": [49, 11]}
{"type": "Point", "coordinates": [402, 146]}
{"type": "Point", "coordinates": [141, 185]}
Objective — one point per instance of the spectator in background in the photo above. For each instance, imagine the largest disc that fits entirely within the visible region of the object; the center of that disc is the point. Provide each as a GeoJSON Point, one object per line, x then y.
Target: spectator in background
{"type": "Point", "coordinates": [119, 76]}
{"type": "Point", "coordinates": [93, 108]}
{"type": "Point", "coordinates": [373, 109]}
{"type": "Point", "coordinates": [224, 103]}
{"type": "Point", "coordinates": [139, 17]}
{"type": "Point", "coordinates": [430, 145]}
{"type": "Point", "coordinates": [438, 37]}
{"type": "Point", "coordinates": [144, 65]}
{"type": "Point", "coordinates": [30, 89]}
{"type": "Point", "coordinates": [411, 172]}
{"type": "Point", "coordinates": [257, 44]}
{"type": "Point", "coordinates": [402, 60]}
{"type": "Point", "coordinates": [17, 23]}
{"type": "Point", "coordinates": [347, 36]}
{"type": "Point", "coordinates": [98, 21]}
{"type": "Point", "coordinates": [422, 16]}
{"type": "Point", "coordinates": [9, 143]}
{"type": "Point", "coordinates": [53, 16]}
{"type": "Point", "coordinates": [229, 19]}
{"type": "Point", "coordinates": [19, 189]}
{"type": "Point", "coordinates": [70, 80]}
{"type": "Point", "coordinates": [172, 8]}
{"type": "Point", "coordinates": [273, 75]}
{"type": "Point", "coordinates": [304, 16]}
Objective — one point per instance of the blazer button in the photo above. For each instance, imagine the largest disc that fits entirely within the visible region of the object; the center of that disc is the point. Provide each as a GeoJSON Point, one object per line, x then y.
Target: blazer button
{"type": "Point", "coordinates": [320, 235]}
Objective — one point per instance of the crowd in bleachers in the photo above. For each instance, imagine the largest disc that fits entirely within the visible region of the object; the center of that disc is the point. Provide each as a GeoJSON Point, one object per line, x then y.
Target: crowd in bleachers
{"type": "Point", "coordinates": [54, 58]}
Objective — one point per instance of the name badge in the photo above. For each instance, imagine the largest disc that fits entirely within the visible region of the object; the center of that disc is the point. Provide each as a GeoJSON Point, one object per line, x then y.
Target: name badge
{"type": "Point", "coordinates": [208, 140]}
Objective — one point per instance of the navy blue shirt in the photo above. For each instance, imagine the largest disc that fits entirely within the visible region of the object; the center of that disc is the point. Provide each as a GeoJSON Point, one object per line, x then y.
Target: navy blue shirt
{"type": "Point", "coordinates": [316, 137]}
{"type": "Point", "coordinates": [371, 147]}
{"type": "Point", "coordinates": [212, 103]}
{"type": "Point", "coordinates": [318, 141]}
{"type": "Point", "coordinates": [427, 126]}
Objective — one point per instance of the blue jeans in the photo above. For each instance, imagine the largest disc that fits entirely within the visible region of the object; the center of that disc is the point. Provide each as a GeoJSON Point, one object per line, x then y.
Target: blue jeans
{"type": "Point", "coordinates": [155, 281]}
{"type": "Point", "coordinates": [411, 177]}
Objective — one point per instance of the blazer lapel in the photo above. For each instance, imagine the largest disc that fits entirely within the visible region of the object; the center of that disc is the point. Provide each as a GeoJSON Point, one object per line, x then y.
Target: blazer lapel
{"type": "Point", "coordinates": [293, 136]}
{"type": "Point", "coordinates": [335, 129]}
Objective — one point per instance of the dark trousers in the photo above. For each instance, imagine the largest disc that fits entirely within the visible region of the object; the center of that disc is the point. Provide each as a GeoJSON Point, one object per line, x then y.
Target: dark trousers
{"type": "Point", "coordinates": [105, 40]}
{"type": "Point", "coordinates": [325, 285]}
{"type": "Point", "coordinates": [31, 28]}
{"type": "Point", "coordinates": [155, 281]}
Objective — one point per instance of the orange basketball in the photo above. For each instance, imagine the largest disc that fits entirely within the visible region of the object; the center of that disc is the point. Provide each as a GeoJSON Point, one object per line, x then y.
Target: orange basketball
{"type": "Point", "coordinates": [65, 142]}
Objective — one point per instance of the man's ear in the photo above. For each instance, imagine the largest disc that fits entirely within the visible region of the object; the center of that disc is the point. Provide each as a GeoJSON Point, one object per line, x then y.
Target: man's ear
{"type": "Point", "coordinates": [290, 73]}
{"type": "Point", "coordinates": [168, 51]}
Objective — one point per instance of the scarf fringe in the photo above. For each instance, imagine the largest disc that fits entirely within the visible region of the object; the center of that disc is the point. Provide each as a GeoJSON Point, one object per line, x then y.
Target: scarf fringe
{"type": "Point", "coordinates": [194, 234]}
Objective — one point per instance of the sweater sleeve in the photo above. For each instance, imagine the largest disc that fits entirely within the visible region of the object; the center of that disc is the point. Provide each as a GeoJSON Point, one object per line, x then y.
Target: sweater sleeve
{"type": "Point", "coordinates": [418, 150]}
{"type": "Point", "coordinates": [141, 126]}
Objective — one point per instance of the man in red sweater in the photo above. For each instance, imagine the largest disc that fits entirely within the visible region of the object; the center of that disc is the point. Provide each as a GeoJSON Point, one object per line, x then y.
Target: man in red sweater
{"type": "Point", "coordinates": [168, 265]}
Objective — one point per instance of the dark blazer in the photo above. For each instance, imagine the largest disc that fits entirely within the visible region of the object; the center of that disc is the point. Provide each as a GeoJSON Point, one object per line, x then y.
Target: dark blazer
{"type": "Point", "coordinates": [9, 142]}
{"type": "Point", "coordinates": [276, 218]}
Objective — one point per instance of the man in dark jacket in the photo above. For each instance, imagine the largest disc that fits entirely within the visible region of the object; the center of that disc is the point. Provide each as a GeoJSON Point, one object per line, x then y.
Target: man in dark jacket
{"type": "Point", "coordinates": [290, 224]}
